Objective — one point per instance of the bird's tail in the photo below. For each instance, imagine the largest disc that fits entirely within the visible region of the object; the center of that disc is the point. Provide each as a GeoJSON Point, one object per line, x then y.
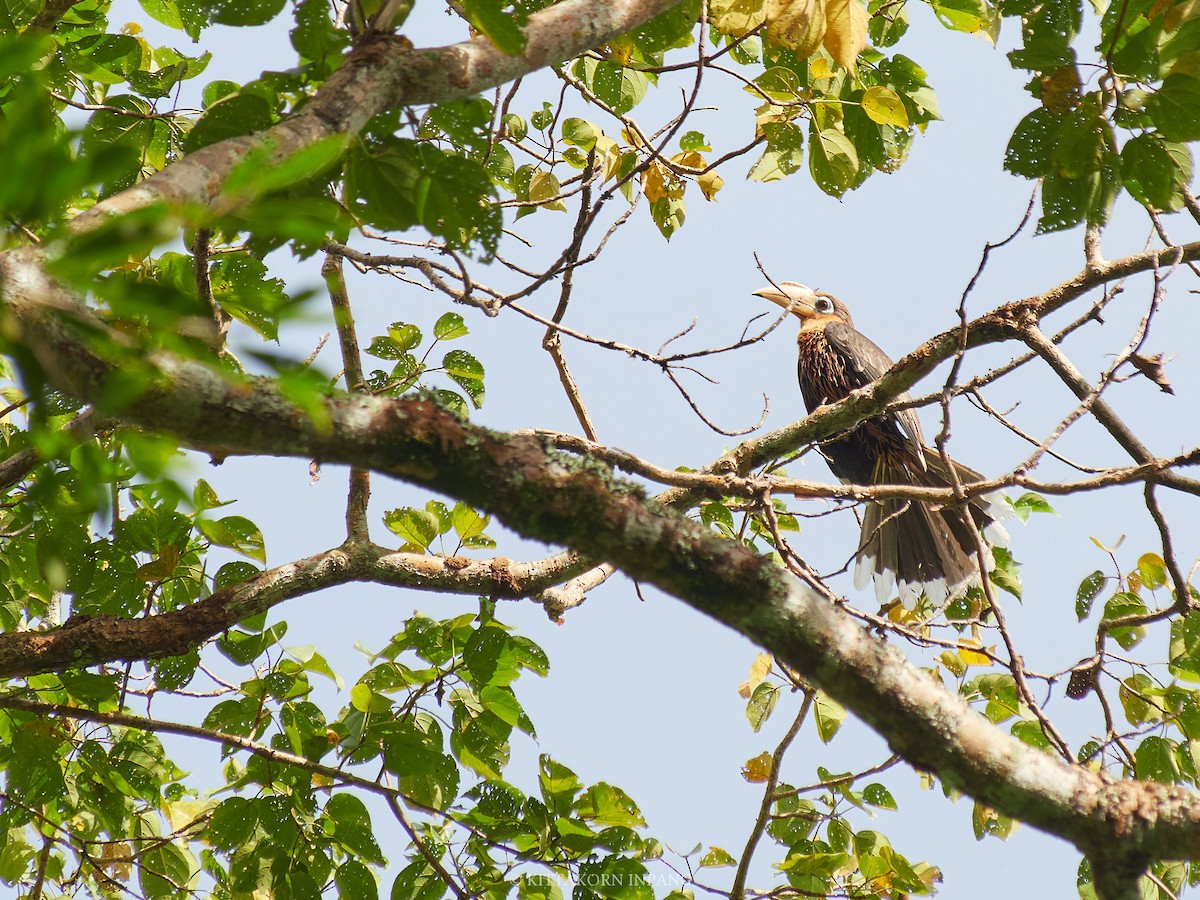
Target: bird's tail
{"type": "Point", "coordinates": [916, 547]}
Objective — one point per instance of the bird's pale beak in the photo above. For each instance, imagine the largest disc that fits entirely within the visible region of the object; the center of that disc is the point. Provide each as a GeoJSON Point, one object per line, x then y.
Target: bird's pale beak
{"type": "Point", "coordinates": [795, 298]}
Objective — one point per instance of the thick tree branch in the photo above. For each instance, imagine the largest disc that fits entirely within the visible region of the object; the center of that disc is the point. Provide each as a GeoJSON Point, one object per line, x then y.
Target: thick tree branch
{"type": "Point", "coordinates": [550, 496]}
{"type": "Point", "coordinates": [380, 74]}
{"type": "Point", "coordinates": [88, 640]}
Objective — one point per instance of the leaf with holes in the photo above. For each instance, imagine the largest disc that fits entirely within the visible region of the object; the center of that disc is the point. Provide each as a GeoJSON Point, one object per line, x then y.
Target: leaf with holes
{"type": "Point", "coordinates": [467, 372]}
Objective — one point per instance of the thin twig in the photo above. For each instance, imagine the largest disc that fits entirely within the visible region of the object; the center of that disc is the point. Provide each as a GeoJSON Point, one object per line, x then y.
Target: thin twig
{"type": "Point", "coordinates": [359, 495]}
{"type": "Point", "coordinates": [738, 890]}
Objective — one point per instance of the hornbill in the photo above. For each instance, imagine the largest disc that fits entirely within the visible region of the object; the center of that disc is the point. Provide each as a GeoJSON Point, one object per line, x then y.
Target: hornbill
{"type": "Point", "coordinates": [913, 546]}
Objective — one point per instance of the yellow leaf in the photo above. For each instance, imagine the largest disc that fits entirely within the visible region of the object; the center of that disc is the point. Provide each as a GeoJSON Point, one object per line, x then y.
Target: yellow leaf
{"type": "Point", "coordinates": [757, 770]}
{"type": "Point", "coordinates": [884, 107]}
{"type": "Point", "coordinates": [954, 662]}
{"type": "Point", "coordinates": [736, 18]}
{"type": "Point", "coordinates": [622, 49]}
{"type": "Point", "coordinates": [659, 183]}
{"type": "Point", "coordinates": [819, 69]}
{"type": "Point", "coordinates": [691, 159]}
{"type": "Point", "coordinates": [710, 183]}
{"type": "Point", "coordinates": [845, 30]}
{"type": "Point", "coordinates": [184, 814]}
{"type": "Point", "coordinates": [758, 671]}
{"type": "Point", "coordinates": [798, 25]}
{"type": "Point", "coordinates": [543, 188]}
{"type": "Point", "coordinates": [971, 656]}
{"type": "Point", "coordinates": [608, 156]}
{"type": "Point", "coordinates": [632, 137]}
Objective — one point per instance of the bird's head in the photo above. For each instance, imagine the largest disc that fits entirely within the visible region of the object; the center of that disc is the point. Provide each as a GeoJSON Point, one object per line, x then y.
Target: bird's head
{"type": "Point", "coordinates": [811, 307]}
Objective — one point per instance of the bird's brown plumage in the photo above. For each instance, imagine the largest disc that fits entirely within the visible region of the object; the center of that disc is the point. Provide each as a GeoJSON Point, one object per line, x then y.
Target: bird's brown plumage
{"type": "Point", "coordinates": [909, 545]}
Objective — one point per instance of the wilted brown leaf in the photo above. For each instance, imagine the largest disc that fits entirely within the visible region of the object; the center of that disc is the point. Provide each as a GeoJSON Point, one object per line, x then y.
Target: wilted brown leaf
{"type": "Point", "coordinates": [758, 671]}
{"type": "Point", "coordinates": [757, 770]}
{"type": "Point", "coordinates": [1060, 89]}
{"type": "Point", "coordinates": [1152, 368]}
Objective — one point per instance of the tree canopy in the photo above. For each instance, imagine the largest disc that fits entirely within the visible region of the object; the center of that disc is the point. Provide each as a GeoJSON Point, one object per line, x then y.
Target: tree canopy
{"type": "Point", "coordinates": [154, 218]}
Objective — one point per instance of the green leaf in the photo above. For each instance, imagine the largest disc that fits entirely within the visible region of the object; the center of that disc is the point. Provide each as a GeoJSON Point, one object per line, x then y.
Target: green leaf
{"type": "Point", "coordinates": [784, 154]}
{"type": "Point", "coordinates": [1175, 108]}
{"type": "Point", "coordinates": [761, 704]}
{"type": "Point", "coordinates": [502, 28]}
{"type": "Point", "coordinates": [605, 804]}
{"type": "Point", "coordinates": [479, 738]}
{"type": "Point", "coordinates": [34, 772]}
{"type": "Point", "coordinates": [1031, 147]}
{"type": "Point", "coordinates": [619, 88]}
{"type": "Point", "coordinates": [969, 16]}
{"type": "Point", "coordinates": [467, 521]}
{"type": "Point", "coordinates": [559, 785]}
{"type": "Point", "coordinates": [400, 339]}
{"type": "Point", "coordinates": [489, 657]}
{"type": "Point", "coordinates": [366, 700]}
{"type": "Point", "coordinates": [1083, 140]}
{"type": "Point", "coordinates": [235, 116]}
{"type": "Point", "coordinates": [162, 867]}
{"type": "Point", "coordinates": [1005, 574]}
{"type": "Point", "coordinates": [418, 881]}
{"type": "Point", "coordinates": [1138, 699]}
{"type": "Point", "coordinates": [244, 13]}
{"type": "Point", "coordinates": [1155, 171]}
{"type": "Point", "coordinates": [888, 23]}
{"type": "Point", "coordinates": [1155, 760]}
{"type": "Point", "coordinates": [448, 327]}
{"type": "Point", "coordinates": [1152, 571]}
{"type": "Point", "coordinates": [416, 526]}
{"type": "Point", "coordinates": [1184, 650]}
{"type": "Point", "coordinates": [352, 828]}
{"type": "Point", "coordinates": [1067, 202]}
{"type": "Point", "coordinates": [1123, 604]}
{"type": "Point", "coordinates": [694, 141]}
{"type": "Point", "coordinates": [243, 647]}
{"type": "Point", "coordinates": [355, 882]}
{"type": "Point", "coordinates": [407, 183]}
{"type": "Point", "coordinates": [616, 878]}
{"type": "Point", "coordinates": [233, 572]}
{"type": "Point", "coordinates": [1030, 502]}
{"type": "Point", "coordinates": [1031, 733]}
{"type": "Point", "coordinates": [14, 860]}
{"type": "Point", "coordinates": [832, 160]}
{"type": "Point", "coordinates": [413, 751]}
{"type": "Point", "coordinates": [580, 133]}
{"type": "Point", "coordinates": [241, 286]}
{"type": "Point", "coordinates": [232, 823]}
{"type": "Point", "coordinates": [467, 372]}
{"type": "Point", "coordinates": [829, 716]}
{"type": "Point", "coordinates": [884, 107]}
{"type": "Point", "coordinates": [315, 37]}
{"type": "Point", "coordinates": [134, 143]}
{"type": "Point", "coordinates": [877, 795]}
{"type": "Point", "coordinates": [1088, 590]}
{"type": "Point", "coordinates": [236, 532]}
{"type": "Point", "coordinates": [260, 173]}
{"type": "Point", "coordinates": [716, 857]}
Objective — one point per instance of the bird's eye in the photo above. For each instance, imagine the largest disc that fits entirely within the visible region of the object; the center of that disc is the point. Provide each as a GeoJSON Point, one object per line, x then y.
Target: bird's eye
{"type": "Point", "coordinates": [824, 305]}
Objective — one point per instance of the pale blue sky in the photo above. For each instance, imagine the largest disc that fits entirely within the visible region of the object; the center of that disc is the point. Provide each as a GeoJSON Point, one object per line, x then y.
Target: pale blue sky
{"type": "Point", "coordinates": [643, 695]}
